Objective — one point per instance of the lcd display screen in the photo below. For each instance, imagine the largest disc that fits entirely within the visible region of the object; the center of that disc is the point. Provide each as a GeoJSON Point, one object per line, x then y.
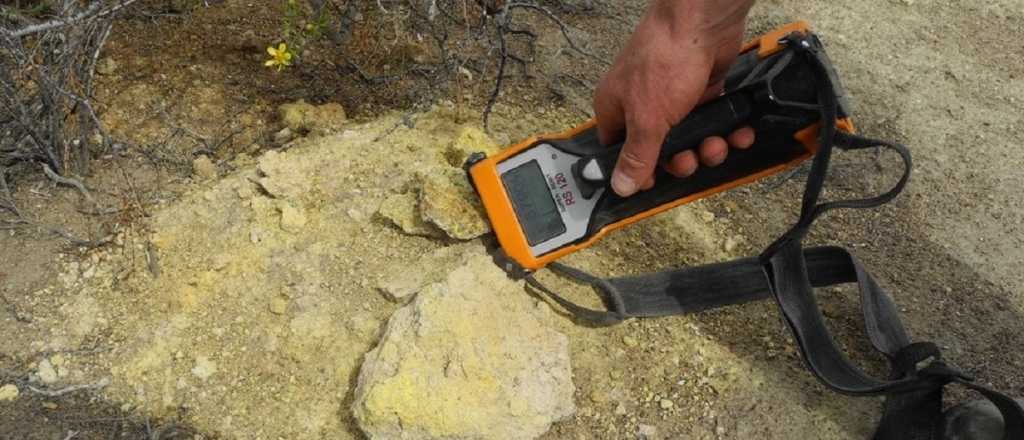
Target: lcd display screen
{"type": "Point", "coordinates": [532, 201]}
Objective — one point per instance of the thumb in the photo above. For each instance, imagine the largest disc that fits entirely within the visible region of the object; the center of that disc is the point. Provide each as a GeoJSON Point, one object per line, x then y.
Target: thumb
{"type": "Point", "coordinates": [639, 155]}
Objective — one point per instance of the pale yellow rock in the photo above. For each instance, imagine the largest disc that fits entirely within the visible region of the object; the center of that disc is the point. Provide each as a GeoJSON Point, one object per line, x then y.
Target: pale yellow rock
{"type": "Point", "coordinates": [403, 211]}
{"type": "Point", "coordinates": [203, 168]}
{"type": "Point", "coordinates": [330, 116]}
{"type": "Point", "coordinates": [278, 306]}
{"type": "Point", "coordinates": [281, 175]}
{"type": "Point", "coordinates": [106, 66]}
{"type": "Point", "coordinates": [292, 219]}
{"type": "Point", "coordinates": [301, 116]}
{"type": "Point", "coordinates": [58, 360]}
{"type": "Point", "coordinates": [401, 285]}
{"type": "Point", "coordinates": [204, 368]}
{"type": "Point", "coordinates": [295, 115]}
{"type": "Point", "coordinates": [468, 141]}
{"type": "Point", "coordinates": [46, 372]}
{"type": "Point", "coordinates": [449, 367]}
{"type": "Point", "coordinates": [448, 201]}
{"type": "Point", "coordinates": [8, 392]}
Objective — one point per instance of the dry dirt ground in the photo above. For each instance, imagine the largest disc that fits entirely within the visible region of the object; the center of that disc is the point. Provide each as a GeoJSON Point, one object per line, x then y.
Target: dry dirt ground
{"type": "Point", "coordinates": [177, 313]}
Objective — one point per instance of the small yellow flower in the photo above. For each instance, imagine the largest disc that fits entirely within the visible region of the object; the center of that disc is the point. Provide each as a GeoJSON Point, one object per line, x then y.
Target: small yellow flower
{"type": "Point", "coordinates": [279, 56]}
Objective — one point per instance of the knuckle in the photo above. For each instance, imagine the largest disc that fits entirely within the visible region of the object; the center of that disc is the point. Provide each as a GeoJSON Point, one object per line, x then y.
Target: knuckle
{"type": "Point", "coordinates": [631, 160]}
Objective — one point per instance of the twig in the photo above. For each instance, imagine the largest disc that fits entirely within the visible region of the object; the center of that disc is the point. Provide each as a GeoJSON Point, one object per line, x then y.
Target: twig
{"type": "Point", "coordinates": [69, 182]}
{"type": "Point", "coordinates": [7, 202]}
{"type": "Point", "coordinates": [408, 120]}
{"type": "Point", "coordinates": [501, 77]}
{"type": "Point", "coordinates": [134, 191]}
{"type": "Point", "coordinates": [367, 78]}
{"type": "Point", "coordinates": [561, 26]}
{"type": "Point", "coordinates": [92, 10]}
{"type": "Point", "coordinates": [71, 389]}
{"type": "Point", "coordinates": [88, 244]}
{"type": "Point", "coordinates": [13, 310]}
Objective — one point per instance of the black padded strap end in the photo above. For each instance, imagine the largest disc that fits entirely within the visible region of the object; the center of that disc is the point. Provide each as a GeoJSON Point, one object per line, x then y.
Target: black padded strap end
{"type": "Point", "coordinates": [1010, 409]}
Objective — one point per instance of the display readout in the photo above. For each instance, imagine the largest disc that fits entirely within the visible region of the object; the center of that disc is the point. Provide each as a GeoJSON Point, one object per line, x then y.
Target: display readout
{"type": "Point", "coordinates": [532, 201]}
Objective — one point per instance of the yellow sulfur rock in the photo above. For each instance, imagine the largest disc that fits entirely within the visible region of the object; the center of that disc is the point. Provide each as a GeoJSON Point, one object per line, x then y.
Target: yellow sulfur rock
{"type": "Point", "coordinates": [448, 366]}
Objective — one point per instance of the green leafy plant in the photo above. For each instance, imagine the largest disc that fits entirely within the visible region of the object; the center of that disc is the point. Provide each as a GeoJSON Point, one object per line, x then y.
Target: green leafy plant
{"type": "Point", "coordinates": [300, 25]}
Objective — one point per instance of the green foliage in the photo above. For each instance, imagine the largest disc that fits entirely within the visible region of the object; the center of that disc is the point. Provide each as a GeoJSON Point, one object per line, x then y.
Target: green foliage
{"type": "Point", "coordinates": [301, 24]}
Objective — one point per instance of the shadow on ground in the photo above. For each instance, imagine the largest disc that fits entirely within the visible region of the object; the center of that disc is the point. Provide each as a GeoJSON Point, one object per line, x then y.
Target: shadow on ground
{"type": "Point", "coordinates": [81, 416]}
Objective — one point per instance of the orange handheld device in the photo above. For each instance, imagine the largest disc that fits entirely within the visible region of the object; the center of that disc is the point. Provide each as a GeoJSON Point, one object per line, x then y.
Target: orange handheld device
{"type": "Point", "coordinates": [549, 195]}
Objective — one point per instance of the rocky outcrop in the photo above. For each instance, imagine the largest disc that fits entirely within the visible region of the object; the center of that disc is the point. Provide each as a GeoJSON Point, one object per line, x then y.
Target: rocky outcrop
{"type": "Point", "coordinates": [470, 358]}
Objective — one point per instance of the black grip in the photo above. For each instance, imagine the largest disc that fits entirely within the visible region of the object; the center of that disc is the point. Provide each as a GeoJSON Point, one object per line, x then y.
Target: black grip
{"type": "Point", "coordinates": [715, 118]}
{"type": "Point", "coordinates": [718, 117]}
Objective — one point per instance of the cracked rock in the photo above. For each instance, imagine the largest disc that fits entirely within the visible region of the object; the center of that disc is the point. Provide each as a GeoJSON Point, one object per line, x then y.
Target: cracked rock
{"type": "Point", "coordinates": [448, 201]}
{"type": "Point", "coordinates": [449, 367]}
{"type": "Point", "coordinates": [403, 211]}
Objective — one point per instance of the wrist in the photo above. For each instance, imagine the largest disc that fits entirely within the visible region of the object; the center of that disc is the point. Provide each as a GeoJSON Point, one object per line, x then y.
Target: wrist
{"type": "Point", "coordinates": [700, 23]}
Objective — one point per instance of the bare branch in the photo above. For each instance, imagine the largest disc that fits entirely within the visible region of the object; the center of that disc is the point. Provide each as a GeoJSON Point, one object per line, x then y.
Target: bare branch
{"type": "Point", "coordinates": [501, 75]}
{"type": "Point", "coordinates": [7, 200]}
{"type": "Point", "coordinates": [94, 10]}
{"type": "Point", "coordinates": [561, 26]}
{"type": "Point", "coordinates": [69, 182]}
{"type": "Point", "coordinates": [102, 383]}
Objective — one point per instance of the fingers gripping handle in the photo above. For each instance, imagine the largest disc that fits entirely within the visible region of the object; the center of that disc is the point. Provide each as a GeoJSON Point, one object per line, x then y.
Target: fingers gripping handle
{"type": "Point", "coordinates": [715, 118]}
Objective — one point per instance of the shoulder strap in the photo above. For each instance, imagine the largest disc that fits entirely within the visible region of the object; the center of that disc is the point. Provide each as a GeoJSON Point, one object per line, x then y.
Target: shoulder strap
{"type": "Point", "coordinates": [788, 273]}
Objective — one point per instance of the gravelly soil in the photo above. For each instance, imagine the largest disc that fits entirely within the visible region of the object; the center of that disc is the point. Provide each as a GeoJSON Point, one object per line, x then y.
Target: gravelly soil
{"type": "Point", "coordinates": [943, 77]}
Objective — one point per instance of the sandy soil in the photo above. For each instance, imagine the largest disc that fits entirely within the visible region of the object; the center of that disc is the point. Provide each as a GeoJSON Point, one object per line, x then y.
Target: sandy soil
{"type": "Point", "coordinates": [943, 77]}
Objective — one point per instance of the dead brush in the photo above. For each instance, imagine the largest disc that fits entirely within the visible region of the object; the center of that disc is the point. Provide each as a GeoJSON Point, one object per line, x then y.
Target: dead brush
{"type": "Point", "coordinates": [444, 44]}
{"type": "Point", "coordinates": [48, 55]}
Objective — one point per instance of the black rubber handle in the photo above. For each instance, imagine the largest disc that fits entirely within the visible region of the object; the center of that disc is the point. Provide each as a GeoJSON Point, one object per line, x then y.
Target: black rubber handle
{"type": "Point", "coordinates": [718, 117]}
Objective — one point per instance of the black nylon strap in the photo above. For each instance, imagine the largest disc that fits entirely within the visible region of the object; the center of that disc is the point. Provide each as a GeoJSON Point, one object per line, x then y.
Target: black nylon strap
{"type": "Point", "coordinates": [693, 289]}
{"type": "Point", "coordinates": [911, 415]}
{"type": "Point", "coordinates": [789, 273]}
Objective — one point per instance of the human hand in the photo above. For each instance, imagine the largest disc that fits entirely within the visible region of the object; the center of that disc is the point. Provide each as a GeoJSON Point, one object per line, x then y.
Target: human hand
{"type": "Point", "coordinates": [676, 59]}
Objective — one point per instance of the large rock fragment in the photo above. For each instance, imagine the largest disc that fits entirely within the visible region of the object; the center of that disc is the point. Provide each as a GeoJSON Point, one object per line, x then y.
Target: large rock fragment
{"type": "Point", "coordinates": [471, 358]}
{"type": "Point", "coordinates": [468, 141]}
{"type": "Point", "coordinates": [448, 201]}
{"type": "Point", "coordinates": [403, 211]}
{"type": "Point", "coordinates": [401, 285]}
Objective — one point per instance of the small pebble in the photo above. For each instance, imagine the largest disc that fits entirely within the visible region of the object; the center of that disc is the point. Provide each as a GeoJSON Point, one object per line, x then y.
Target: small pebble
{"type": "Point", "coordinates": [730, 244]}
{"type": "Point", "coordinates": [665, 404]}
{"type": "Point", "coordinates": [278, 306]}
{"type": "Point", "coordinates": [47, 374]}
{"type": "Point", "coordinates": [8, 392]}
{"type": "Point", "coordinates": [647, 431]}
{"type": "Point", "coordinates": [203, 168]}
{"type": "Point", "coordinates": [282, 137]}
